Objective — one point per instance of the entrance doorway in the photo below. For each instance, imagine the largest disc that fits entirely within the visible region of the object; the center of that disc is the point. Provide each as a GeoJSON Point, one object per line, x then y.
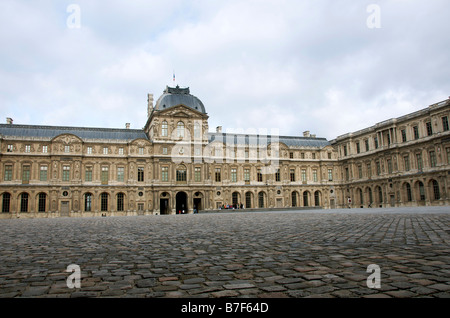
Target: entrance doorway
{"type": "Point", "coordinates": [64, 208]}
{"type": "Point", "coordinates": [181, 203]}
{"type": "Point", "coordinates": [197, 204]}
{"type": "Point", "coordinates": [164, 206]}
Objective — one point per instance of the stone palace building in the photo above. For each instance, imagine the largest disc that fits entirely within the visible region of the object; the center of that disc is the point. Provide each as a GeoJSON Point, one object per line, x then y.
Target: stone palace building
{"type": "Point", "coordinates": [175, 165]}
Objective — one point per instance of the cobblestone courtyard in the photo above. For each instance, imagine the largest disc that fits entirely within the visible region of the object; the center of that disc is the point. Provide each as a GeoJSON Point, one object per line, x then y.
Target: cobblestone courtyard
{"type": "Point", "coordinates": [321, 253]}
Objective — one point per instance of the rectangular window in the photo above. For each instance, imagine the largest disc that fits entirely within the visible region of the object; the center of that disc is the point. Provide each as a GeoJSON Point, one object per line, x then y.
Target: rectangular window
{"type": "Point", "coordinates": [369, 170]}
{"type": "Point", "coordinates": [218, 175]}
{"type": "Point", "coordinates": [366, 142]}
{"type": "Point", "coordinates": [375, 139]}
{"type": "Point", "coordinates": [8, 173]}
{"type": "Point", "coordinates": [406, 161]}
{"type": "Point", "coordinates": [43, 173]}
{"type": "Point", "coordinates": [315, 175]}
{"type": "Point", "coordinates": [403, 131]}
{"type": "Point", "coordinates": [66, 173]}
{"type": "Point", "coordinates": [416, 132]}
{"type": "Point", "coordinates": [432, 159]}
{"type": "Point", "coordinates": [347, 174]}
{"type": "Point", "coordinates": [330, 174]}
{"type": "Point", "coordinates": [304, 175]}
{"type": "Point", "coordinates": [44, 149]}
{"type": "Point", "coordinates": [140, 174]}
{"type": "Point", "coordinates": [66, 149]}
{"type": "Point", "coordinates": [10, 148]}
{"type": "Point", "coordinates": [89, 150]}
{"type": "Point", "coordinates": [277, 175]}
{"type": "Point", "coordinates": [104, 175]}
{"type": "Point", "coordinates": [259, 175]}
{"type": "Point", "coordinates": [141, 150]}
{"type": "Point", "coordinates": [302, 155]}
{"type": "Point", "coordinates": [88, 174]}
{"type": "Point", "coordinates": [27, 148]}
{"type": "Point", "coordinates": [429, 128]}
{"type": "Point", "coordinates": [164, 150]}
{"type": "Point", "coordinates": [197, 174]}
{"type": "Point", "coordinates": [419, 161]}
{"type": "Point", "coordinates": [105, 150]}
{"type": "Point", "coordinates": [181, 175]}
{"type": "Point", "coordinates": [164, 173]}
{"type": "Point", "coordinates": [120, 151]}
{"type": "Point", "coordinates": [291, 155]}
{"type": "Point", "coordinates": [358, 149]}
{"type": "Point", "coordinates": [345, 150]}
{"type": "Point", "coordinates": [445, 123]}
{"type": "Point", "coordinates": [389, 164]}
{"type": "Point", "coordinates": [233, 175]}
{"type": "Point", "coordinates": [247, 175]}
{"type": "Point", "coordinates": [120, 174]}
{"type": "Point", "coordinates": [292, 175]}
{"type": "Point", "coordinates": [378, 168]}
{"type": "Point", "coordinates": [360, 172]}
{"type": "Point", "coordinates": [314, 155]}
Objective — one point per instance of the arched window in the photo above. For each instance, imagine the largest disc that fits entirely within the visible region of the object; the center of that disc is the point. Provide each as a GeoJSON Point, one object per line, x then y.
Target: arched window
{"type": "Point", "coordinates": [120, 197]}
{"type": "Point", "coordinates": [305, 198]}
{"type": "Point", "coordinates": [164, 129]}
{"type": "Point", "coordinates": [104, 202]}
{"type": "Point", "coordinates": [436, 192]}
{"type": "Point", "coordinates": [42, 202]}
{"type": "Point", "coordinates": [294, 198]}
{"type": "Point", "coordinates": [180, 129]}
{"type": "Point", "coordinates": [361, 197]}
{"type": "Point", "coordinates": [88, 202]}
{"type": "Point", "coordinates": [235, 199]}
{"type": "Point", "coordinates": [370, 196]}
{"type": "Point", "coordinates": [380, 195]}
{"type": "Point", "coordinates": [317, 198]}
{"type": "Point", "coordinates": [248, 200]}
{"type": "Point", "coordinates": [261, 199]}
{"type": "Point", "coordinates": [421, 191]}
{"type": "Point", "coordinates": [408, 192]}
{"type": "Point", "coordinates": [6, 202]}
{"type": "Point", "coordinates": [24, 202]}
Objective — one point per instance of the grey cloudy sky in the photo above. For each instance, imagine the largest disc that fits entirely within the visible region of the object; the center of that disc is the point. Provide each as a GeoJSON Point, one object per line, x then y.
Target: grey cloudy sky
{"type": "Point", "coordinates": [290, 65]}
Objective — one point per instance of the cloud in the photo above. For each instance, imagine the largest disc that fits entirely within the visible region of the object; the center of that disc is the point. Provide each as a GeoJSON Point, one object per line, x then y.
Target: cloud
{"type": "Point", "coordinates": [294, 65]}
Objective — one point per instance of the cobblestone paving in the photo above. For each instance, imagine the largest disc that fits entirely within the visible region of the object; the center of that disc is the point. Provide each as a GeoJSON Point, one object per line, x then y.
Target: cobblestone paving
{"type": "Point", "coordinates": [246, 254]}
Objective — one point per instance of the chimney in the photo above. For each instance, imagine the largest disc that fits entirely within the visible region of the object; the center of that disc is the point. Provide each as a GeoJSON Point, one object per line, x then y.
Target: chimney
{"type": "Point", "coordinates": [127, 125]}
{"type": "Point", "coordinates": [150, 104]}
{"type": "Point", "coordinates": [219, 129]}
{"type": "Point", "coordinates": [9, 120]}
{"type": "Point", "coordinates": [306, 133]}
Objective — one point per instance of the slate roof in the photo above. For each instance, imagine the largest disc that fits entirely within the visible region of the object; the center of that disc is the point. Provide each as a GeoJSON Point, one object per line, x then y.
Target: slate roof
{"type": "Point", "coordinates": [290, 141]}
{"type": "Point", "coordinates": [174, 96]}
{"type": "Point", "coordinates": [49, 132]}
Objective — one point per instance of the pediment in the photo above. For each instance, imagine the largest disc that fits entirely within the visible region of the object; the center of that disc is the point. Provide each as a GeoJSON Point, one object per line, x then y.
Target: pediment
{"type": "Point", "coordinates": [182, 111]}
{"type": "Point", "coordinates": [67, 139]}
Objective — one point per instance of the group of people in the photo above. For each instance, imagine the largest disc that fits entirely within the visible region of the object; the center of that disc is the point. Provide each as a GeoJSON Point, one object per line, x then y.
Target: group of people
{"type": "Point", "coordinates": [232, 206]}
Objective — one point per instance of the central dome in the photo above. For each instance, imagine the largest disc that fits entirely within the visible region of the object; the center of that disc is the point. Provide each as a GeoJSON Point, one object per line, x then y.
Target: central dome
{"type": "Point", "coordinates": [174, 96]}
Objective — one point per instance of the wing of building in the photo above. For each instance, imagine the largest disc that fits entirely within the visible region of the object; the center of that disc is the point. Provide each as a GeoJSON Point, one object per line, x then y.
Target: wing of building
{"type": "Point", "coordinates": [175, 165]}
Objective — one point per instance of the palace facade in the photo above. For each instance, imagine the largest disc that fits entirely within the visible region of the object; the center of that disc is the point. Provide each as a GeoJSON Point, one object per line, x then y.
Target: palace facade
{"type": "Point", "coordinates": [175, 165]}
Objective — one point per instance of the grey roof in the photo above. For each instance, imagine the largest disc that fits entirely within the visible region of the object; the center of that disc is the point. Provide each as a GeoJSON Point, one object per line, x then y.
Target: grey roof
{"type": "Point", "coordinates": [174, 96]}
{"type": "Point", "coordinates": [290, 141]}
{"type": "Point", "coordinates": [49, 132]}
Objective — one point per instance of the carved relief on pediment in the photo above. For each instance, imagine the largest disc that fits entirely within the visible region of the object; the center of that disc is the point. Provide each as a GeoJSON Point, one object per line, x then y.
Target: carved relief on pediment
{"type": "Point", "coordinates": [67, 139]}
